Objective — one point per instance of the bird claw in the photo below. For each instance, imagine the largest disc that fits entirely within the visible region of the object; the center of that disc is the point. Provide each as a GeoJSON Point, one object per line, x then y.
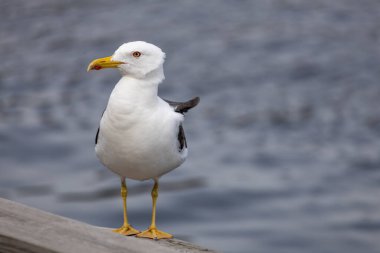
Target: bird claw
{"type": "Point", "coordinates": [154, 233]}
{"type": "Point", "coordinates": [126, 230]}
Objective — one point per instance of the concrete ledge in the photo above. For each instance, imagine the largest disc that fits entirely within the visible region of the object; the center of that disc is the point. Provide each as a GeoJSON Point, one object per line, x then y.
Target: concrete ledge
{"type": "Point", "coordinates": [26, 229]}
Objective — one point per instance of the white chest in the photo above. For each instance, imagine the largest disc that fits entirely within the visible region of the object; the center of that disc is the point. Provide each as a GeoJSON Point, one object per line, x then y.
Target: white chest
{"type": "Point", "coordinates": [139, 141]}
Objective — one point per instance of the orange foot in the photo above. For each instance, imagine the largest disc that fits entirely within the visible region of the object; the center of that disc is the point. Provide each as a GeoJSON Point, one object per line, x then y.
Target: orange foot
{"type": "Point", "coordinates": [154, 233]}
{"type": "Point", "coordinates": [126, 229]}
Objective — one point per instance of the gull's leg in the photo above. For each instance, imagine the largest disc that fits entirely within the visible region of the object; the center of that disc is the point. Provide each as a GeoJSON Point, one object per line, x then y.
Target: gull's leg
{"type": "Point", "coordinates": [152, 232]}
{"type": "Point", "coordinates": [126, 229]}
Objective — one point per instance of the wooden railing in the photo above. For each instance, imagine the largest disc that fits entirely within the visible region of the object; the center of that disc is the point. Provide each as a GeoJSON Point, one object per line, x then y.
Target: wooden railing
{"type": "Point", "coordinates": [26, 229]}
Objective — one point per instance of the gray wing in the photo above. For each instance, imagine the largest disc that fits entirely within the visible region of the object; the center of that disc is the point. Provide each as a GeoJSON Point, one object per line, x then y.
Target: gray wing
{"type": "Point", "coordinates": [182, 107]}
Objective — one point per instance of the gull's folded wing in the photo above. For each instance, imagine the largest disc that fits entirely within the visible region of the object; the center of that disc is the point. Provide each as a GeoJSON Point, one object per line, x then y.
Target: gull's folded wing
{"type": "Point", "coordinates": [182, 107]}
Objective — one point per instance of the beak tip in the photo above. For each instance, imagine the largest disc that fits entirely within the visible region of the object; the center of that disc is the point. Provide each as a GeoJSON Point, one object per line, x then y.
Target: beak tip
{"type": "Point", "coordinates": [101, 63]}
{"type": "Point", "coordinates": [90, 67]}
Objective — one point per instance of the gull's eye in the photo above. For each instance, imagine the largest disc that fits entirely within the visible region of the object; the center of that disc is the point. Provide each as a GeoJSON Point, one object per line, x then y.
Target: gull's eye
{"type": "Point", "coordinates": [136, 54]}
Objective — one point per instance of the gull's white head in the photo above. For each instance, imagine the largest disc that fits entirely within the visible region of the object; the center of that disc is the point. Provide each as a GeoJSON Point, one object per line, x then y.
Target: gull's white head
{"type": "Point", "coordinates": [137, 59]}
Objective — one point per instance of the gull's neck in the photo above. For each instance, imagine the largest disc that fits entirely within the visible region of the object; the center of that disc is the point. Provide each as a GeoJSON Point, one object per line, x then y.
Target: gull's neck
{"type": "Point", "coordinates": [139, 91]}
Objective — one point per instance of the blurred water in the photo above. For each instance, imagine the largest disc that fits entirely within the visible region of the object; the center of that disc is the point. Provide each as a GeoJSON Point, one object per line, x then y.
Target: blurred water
{"type": "Point", "coordinates": [284, 147]}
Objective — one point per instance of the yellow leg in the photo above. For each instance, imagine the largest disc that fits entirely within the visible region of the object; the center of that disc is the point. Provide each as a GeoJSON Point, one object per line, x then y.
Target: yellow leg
{"type": "Point", "coordinates": [152, 232]}
{"type": "Point", "coordinates": [126, 229]}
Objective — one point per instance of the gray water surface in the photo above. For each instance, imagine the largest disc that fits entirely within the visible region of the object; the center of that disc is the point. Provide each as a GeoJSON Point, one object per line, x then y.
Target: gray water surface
{"type": "Point", "coordinates": [284, 146]}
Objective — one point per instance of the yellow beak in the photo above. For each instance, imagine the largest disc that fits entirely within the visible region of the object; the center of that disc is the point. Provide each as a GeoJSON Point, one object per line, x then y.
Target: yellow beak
{"type": "Point", "coordinates": [103, 63]}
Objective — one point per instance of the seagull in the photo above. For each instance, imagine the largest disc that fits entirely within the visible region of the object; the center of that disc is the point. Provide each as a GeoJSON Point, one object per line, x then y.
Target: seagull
{"type": "Point", "coordinates": [140, 135]}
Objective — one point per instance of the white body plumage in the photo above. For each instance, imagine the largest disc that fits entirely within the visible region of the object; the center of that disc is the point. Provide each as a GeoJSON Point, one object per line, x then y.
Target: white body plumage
{"type": "Point", "coordinates": [138, 134]}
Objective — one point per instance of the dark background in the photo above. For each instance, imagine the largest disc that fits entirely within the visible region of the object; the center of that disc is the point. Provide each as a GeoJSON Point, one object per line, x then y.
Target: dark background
{"type": "Point", "coordinates": [284, 146]}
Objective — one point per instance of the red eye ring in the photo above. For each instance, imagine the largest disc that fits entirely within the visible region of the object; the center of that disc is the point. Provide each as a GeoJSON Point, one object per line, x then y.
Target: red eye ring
{"type": "Point", "coordinates": [136, 54]}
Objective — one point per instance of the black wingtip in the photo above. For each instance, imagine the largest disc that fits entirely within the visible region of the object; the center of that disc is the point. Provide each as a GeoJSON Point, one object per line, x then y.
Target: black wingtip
{"type": "Point", "coordinates": [182, 107]}
{"type": "Point", "coordinates": [196, 101]}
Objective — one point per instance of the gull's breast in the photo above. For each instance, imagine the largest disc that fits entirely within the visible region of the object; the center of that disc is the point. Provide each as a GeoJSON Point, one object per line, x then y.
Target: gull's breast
{"type": "Point", "coordinates": [140, 145]}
